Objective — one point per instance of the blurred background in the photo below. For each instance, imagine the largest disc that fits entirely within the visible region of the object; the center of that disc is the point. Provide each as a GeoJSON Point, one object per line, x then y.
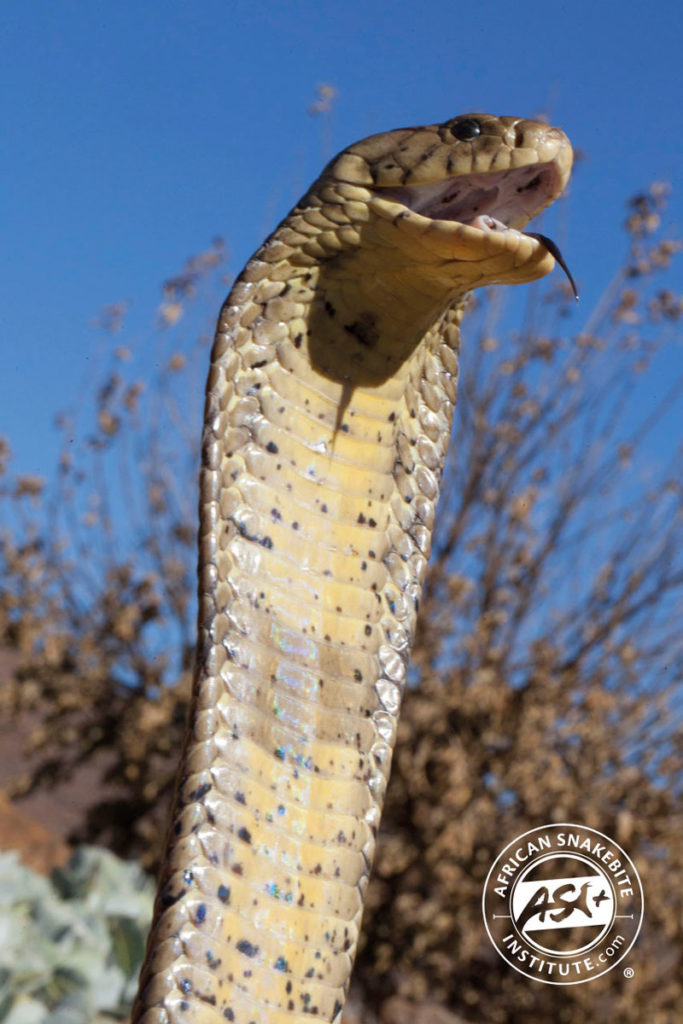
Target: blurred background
{"type": "Point", "coordinates": [148, 151]}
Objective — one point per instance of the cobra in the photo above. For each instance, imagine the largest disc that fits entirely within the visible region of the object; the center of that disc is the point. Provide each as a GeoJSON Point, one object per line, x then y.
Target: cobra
{"type": "Point", "coordinates": [328, 413]}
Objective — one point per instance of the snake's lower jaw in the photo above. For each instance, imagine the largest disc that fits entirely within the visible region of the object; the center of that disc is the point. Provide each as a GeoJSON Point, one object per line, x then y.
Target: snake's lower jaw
{"type": "Point", "coordinates": [532, 255]}
{"type": "Point", "coordinates": [512, 257]}
{"type": "Point", "coordinates": [464, 256]}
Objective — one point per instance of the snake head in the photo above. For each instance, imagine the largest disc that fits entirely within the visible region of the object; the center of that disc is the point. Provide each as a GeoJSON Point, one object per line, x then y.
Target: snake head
{"type": "Point", "coordinates": [459, 193]}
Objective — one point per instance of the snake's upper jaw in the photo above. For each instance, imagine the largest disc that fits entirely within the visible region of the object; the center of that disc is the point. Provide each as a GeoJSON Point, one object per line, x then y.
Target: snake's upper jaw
{"type": "Point", "coordinates": [493, 200]}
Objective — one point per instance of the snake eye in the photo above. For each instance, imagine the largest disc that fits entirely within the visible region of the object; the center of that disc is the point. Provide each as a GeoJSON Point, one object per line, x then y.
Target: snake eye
{"type": "Point", "coordinates": [466, 129]}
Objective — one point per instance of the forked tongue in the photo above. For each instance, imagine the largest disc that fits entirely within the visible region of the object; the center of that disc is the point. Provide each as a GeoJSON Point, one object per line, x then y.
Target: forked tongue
{"type": "Point", "coordinates": [554, 251]}
{"type": "Point", "coordinates": [484, 222]}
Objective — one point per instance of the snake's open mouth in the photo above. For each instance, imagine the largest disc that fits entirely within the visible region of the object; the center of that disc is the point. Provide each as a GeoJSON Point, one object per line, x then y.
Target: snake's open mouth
{"type": "Point", "coordinates": [491, 201]}
{"type": "Point", "coordinates": [495, 200]}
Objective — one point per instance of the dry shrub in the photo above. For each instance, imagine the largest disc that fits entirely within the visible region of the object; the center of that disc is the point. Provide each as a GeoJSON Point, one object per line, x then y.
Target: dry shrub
{"type": "Point", "coordinates": [99, 570]}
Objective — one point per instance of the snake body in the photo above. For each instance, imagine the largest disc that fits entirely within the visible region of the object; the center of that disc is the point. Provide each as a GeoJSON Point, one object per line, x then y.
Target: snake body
{"type": "Point", "coordinates": [328, 411]}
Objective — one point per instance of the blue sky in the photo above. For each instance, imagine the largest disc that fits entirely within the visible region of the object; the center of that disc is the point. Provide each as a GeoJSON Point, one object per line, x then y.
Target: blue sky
{"type": "Point", "coordinates": [135, 132]}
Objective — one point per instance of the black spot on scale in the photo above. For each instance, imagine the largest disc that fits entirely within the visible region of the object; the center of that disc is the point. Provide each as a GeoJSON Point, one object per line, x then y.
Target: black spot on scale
{"type": "Point", "coordinates": [168, 898]}
{"type": "Point", "coordinates": [265, 542]}
{"type": "Point", "coordinates": [200, 916]}
{"type": "Point", "coordinates": [247, 948]}
{"type": "Point", "coordinates": [223, 893]}
{"type": "Point", "coordinates": [272, 447]}
{"type": "Point", "coordinates": [228, 1013]}
{"type": "Point", "coordinates": [201, 791]}
{"type": "Point", "coordinates": [185, 985]}
{"type": "Point", "coordinates": [245, 835]}
{"type": "Point", "coordinates": [298, 340]}
{"type": "Point", "coordinates": [239, 797]}
{"type": "Point", "coordinates": [329, 308]}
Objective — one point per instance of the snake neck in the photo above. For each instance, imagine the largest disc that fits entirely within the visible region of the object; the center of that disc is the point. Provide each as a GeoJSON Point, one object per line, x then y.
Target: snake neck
{"type": "Point", "coordinates": [327, 423]}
